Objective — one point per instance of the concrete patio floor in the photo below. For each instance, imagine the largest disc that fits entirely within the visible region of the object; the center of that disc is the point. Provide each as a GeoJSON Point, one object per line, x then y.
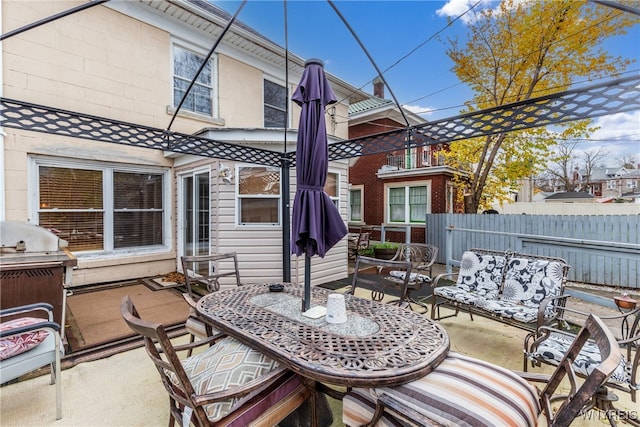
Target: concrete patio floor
{"type": "Point", "coordinates": [125, 390]}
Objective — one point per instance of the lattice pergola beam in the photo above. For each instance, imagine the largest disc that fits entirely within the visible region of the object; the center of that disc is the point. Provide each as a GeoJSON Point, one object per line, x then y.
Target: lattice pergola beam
{"type": "Point", "coordinates": [617, 96]}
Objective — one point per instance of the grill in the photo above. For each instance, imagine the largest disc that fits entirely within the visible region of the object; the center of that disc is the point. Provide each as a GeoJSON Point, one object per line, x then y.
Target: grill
{"type": "Point", "coordinates": [35, 266]}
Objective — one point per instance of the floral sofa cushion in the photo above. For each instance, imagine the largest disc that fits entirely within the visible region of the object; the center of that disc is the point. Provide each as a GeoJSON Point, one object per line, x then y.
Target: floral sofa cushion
{"type": "Point", "coordinates": [481, 273]}
{"type": "Point", "coordinates": [508, 309]}
{"type": "Point", "coordinates": [529, 281]}
{"type": "Point", "coordinates": [16, 344]}
{"type": "Point", "coordinates": [553, 349]}
{"type": "Point", "coordinates": [455, 293]}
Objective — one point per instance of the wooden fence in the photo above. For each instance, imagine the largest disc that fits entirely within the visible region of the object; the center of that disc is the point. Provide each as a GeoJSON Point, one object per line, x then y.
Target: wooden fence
{"type": "Point", "coordinates": [601, 249]}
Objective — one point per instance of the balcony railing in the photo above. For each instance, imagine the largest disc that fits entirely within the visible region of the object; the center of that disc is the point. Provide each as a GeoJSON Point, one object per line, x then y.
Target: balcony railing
{"type": "Point", "coordinates": [415, 160]}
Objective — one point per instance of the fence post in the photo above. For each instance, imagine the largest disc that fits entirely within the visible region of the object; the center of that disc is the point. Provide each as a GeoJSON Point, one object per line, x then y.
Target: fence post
{"type": "Point", "coordinates": [449, 247]}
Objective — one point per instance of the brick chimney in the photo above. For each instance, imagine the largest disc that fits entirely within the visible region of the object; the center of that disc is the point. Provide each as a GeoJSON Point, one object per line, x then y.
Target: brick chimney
{"type": "Point", "coordinates": [378, 87]}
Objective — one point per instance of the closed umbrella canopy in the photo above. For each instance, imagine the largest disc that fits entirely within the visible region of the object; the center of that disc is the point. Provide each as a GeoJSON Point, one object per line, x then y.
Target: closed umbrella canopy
{"type": "Point", "coordinates": [316, 222]}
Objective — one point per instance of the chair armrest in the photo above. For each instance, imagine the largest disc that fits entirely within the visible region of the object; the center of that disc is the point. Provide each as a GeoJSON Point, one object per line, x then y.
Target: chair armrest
{"type": "Point", "coordinates": [198, 343]}
{"type": "Point", "coordinates": [39, 306]}
{"type": "Point", "coordinates": [534, 377]}
{"type": "Point", "coordinates": [441, 277]}
{"type": "Point", "coordinates": [30, 328]}
{"type": "Point", "coordinates": [560, 303]}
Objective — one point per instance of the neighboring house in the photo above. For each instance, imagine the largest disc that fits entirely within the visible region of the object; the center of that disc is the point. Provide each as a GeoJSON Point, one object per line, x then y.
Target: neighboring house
{"type": "Point", "coordinates": [615, 183]}
{"type": "Point", "coordinates": [396, 189]}
{"type": "Point", "coordinates": [130, 212]}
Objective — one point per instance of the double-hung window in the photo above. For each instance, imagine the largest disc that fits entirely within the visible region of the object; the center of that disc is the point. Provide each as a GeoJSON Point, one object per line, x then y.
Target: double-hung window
{"type": "Point", "coordinates": [103, 208]}
{"type": "Point", "coordinates": [185, 66]}
{"type": "Point", "coordinates": [275, 103]}
{"type": "Point", "coordinates": [407, 204]}
{"type": "Point", "coordinates": [331, 188]}
{"type": "Point", "coordinates": [258, 195]}
{"type": "Point", "coordinates": [355, 205]}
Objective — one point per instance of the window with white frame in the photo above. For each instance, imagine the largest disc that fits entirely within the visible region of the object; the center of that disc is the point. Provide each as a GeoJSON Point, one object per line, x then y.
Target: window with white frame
{"type": "Point", "coordinates": [407, 204]}
{"type": "Point", "coordinates": [355, 204]}
{"type": "Point", "coordinates": [97, 207]}
{"type": "Point", "coordinates": [611, 184]}
{"type": "Point", "coordinates": [331, 188]}
{"type": "Point", "coordinates": [275, 103]}
{"type": "Point", "coordinates": [631, 183]}
{"type": "Point", "coordinates": [185, 66]}
{"type": "Point", "coordinates": [258, 195]}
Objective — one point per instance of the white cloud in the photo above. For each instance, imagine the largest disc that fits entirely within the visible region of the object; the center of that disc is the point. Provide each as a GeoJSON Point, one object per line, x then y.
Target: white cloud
{"type": "Point", "coordinates": [618, 126]}
{"type": "Point", "coordinates": [454, 8]}
{"type": "Point", "coordinates": [619, 135]}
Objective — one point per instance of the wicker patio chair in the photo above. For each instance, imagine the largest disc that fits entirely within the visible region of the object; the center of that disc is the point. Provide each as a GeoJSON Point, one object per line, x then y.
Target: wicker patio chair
{"type": "Point", "coordinates": [228, 384]}
{"type": "Point", "coordinates": [467, 391]}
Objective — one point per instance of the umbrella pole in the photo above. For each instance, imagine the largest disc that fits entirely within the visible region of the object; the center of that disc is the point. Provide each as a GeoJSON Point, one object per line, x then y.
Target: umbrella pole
{"type": "Point", "coordinates": [306, 302]}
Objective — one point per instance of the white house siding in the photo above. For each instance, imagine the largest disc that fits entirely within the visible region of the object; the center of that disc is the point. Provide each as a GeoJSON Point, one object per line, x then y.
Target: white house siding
{"type": "Point", "coordinates": [103, 62]}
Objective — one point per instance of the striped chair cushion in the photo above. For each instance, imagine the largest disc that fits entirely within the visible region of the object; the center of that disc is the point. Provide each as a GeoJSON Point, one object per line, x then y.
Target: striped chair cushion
{"type": "Point", "coordinates": [226, 364]}
{"type": "Point", "coordinates": [461, 391]}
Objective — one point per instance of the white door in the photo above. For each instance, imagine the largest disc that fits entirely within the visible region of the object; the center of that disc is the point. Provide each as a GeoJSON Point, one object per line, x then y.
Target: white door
{"type": "Point", "coordinates": [195, 213]}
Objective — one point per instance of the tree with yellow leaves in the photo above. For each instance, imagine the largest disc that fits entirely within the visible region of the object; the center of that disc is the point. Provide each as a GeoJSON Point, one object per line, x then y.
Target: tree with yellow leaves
{"type": "Point", "coordinates": [522, 50]}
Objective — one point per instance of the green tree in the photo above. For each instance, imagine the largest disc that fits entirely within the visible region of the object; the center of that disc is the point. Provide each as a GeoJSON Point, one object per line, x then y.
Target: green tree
{"type": "Point", "coordinates": [522, 50]}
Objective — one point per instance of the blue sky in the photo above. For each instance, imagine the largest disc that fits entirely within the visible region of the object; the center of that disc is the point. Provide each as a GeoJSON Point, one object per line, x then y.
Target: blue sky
{"type": "Point", "coordinates": [407, 40]}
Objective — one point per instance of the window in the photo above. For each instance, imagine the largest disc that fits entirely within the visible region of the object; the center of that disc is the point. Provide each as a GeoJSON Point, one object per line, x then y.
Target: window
{"type": "Point", "coordinates": [258, 195]}
{"type": "Point", "coordinates": [102, 208]}
{"type": "Point", "coordinates": [407, 204]}
{"type": "Point", "coordinates": [355, 204]}
{"type": "Point", "coordinates": [185, 66]}
{"type": "Point", "coordinates": [331, 188]}
{"type": "Point", "coordinates": [611, 184]}
{"type": "Point", "coordinates": [275, 102]}
{"type": "Point", "coordinates": [631, 183]}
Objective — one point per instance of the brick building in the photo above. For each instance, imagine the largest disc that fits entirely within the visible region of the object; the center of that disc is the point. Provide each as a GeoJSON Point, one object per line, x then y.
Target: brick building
{"type": "Point", "coordinates": [395, 189]}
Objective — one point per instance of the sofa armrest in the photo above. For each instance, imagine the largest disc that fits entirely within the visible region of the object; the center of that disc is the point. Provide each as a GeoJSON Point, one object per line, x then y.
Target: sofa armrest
{"type": "Point", "coordinates": [445, 278]}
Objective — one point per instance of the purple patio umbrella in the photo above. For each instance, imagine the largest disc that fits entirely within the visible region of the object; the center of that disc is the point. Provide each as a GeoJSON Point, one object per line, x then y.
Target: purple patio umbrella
{"type": "Point", "coordinates": [316, 222]}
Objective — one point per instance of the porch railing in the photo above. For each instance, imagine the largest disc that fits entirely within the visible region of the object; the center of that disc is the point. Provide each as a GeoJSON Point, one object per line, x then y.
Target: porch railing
{"type": "Point", "coordinates": [413, 160]}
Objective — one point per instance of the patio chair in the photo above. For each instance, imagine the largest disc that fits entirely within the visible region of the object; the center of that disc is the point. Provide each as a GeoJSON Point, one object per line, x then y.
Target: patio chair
{"type": "Point", "coordinates": [360, 242]}
{"type": "Point", "coordinates": [422, 257]}
{"type": "Point", "coordinates": [205, 270]}
{"type": "Point", "coordinates": [228, 384]}
{"type": "Point", "coordinates": [549, 344]}
{"type": "Point", "coordinates": [463, 390]}
{"type": "Point", "coordinates": [30, 343]}
{"type": "Point", "coordinates": [373, 274]}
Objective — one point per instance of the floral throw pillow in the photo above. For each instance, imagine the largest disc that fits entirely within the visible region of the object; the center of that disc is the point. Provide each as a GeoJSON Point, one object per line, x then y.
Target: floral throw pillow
{"type": "Point", "coordinates": [16, 344]}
